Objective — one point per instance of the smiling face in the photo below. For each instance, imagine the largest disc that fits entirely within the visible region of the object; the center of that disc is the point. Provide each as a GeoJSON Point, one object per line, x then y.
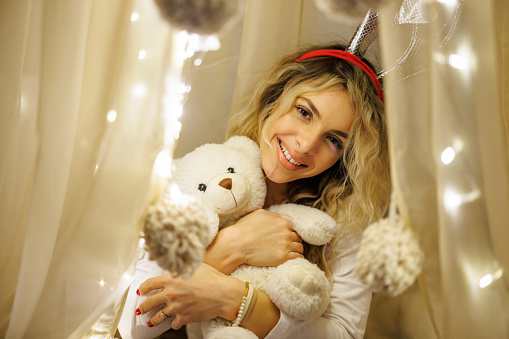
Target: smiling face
{"type": "Point", "coordinates": [309, 138]}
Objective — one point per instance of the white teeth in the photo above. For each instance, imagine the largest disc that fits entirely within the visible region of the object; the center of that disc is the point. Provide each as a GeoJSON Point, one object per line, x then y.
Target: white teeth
{"type": "Point", "coordinates": [287, 155]}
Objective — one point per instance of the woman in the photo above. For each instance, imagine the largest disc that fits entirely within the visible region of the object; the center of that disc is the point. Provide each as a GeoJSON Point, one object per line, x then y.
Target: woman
{"type": "Point", "coordinates": [318, 118]}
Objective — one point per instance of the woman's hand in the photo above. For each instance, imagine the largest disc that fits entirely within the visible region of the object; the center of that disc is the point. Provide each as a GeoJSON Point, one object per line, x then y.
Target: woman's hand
{"type": "Point", "coordinates": [205, 295]}
{"type": "Point", "coordinates": [260, 238]}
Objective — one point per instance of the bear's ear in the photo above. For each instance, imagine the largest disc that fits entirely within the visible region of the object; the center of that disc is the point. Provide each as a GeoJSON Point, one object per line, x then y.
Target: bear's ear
{"type": "Point", "coordinates": [245, 145]}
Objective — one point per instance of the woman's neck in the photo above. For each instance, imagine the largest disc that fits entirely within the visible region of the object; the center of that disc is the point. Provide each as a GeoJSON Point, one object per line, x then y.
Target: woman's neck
{"type": "Point", "coordinates": [276, 193]}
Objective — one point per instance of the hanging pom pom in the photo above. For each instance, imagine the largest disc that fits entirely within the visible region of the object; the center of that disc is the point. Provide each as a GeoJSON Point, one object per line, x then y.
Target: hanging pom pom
{"type": "Point", "coordinates": [389, 258]}
{"type": "Point", "coordinates": [176, 235]}
{"type": "Point", "coordinates": [354, 9]}
{"type": "Point", "coordinates": [205, 17]}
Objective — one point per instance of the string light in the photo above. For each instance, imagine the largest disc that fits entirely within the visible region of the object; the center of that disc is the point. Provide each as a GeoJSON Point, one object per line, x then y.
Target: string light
{"type": "Point", "coordinates": [111, 116]}
{"type": "Point", "coordinates": [212, 43]}
{"type": "Point", "coordinates": [488, 279]}
{"type": "Point", "coordinates": [453, 199]}
{"type": "Point", "coordinates": [139, 90]}
{"type": "Point", "coordinates": [189, 52]}
{"type": "Point", "coordinates": [182, 88]}
{"type": "Point", "coordinates": [142, 54]}
{"type": "Point", "coordinates": [458, 61]}
{"type": "Point", "coordinates": [450, 3]}
{"type": "Point", "coordinates": [163, 163]}
{"type": "Point", "coordinates": [448, 155]}
{"type": "Point", "coordinates": [134, 17]}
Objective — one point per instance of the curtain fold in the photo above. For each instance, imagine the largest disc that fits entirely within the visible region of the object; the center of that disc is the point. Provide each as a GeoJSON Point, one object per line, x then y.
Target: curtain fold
{"type": "Point", "coordinates": [81, 123]}
{"type": "Point", "coordinates": [450, 158]}
{"type": "Point", "coordinates": [80, 128]}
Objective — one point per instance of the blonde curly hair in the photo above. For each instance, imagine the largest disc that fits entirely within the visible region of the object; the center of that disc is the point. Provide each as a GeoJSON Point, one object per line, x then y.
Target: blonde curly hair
{"type": "Point", "coordinates": [356, 190]}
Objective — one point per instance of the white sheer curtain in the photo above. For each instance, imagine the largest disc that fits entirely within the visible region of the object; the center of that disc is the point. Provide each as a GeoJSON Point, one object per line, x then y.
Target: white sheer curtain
{"type": "Point", "coordinates": [81, 123]}
{"type": "Point", "coordinates": [448, 126]}
{"type": "Point", "coordinates": [79, 110]}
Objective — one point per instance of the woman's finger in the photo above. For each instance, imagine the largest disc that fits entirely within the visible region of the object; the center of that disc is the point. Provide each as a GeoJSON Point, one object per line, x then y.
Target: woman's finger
{"type": "Point", "coordinates": [160, 317]}
{"type": "Point", "coordinates": [153, 284]}
{"type": "Point", "coordinates": [295, 237]}
{"type": "Point", "coordinates": [177, 323]}
{"type": "Point", "coordinates": [152, 302]}
{"type": "Point", "coordinates": [297, 247]}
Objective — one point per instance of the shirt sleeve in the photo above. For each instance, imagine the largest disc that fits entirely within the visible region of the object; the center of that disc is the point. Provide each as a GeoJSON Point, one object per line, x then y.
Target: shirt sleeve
{"type": "Point", "coordinates": [132, 326]}
{"type": "Point", "coordinates": [347, 313]}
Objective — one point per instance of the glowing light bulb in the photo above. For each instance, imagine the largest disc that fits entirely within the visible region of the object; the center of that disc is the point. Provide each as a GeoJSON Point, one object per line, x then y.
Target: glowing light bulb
{"type": "Point", "coordinates": [139, 90]}
{"type": "Point", "coordinates": [102, 283]}
{"type": "Point", "coordinates": [488, 279]}
{"type": "Point", "coordinates": [452, 199]}
{"type": "Point", "coordinates": [485, 281]}
{"type": "Point", "coordinates": [182, 88]}
{"type": "Point", "coordinates": [134, 17]}
{"type": "Point", "coordinates": [213, 43]}
{"type": "Point", "coordinates": [189, 52]}
{"type": "Point", "coordinates": [448, 2]}
{"type": "Point", "coordinates": [448, 155]}
{"type": "Point", "coordinates": [142, 54]}
{"type": "Point", "coordinates": [178, 128]}
{"type": "Point", "coordinates": [127, 276]}
{"type": "Point", "coordinates": [457, 61]}
{"type": "Point", "coordinates": [197, 62]}
{"type": "Point", "coordinates": [112, 116]}
{"type": "Point", "coordinates": [162, 164]}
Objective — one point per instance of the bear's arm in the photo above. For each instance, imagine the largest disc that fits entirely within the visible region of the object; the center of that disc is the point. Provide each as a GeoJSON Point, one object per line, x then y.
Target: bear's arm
{"type": "Point", "coordinates": [347, 313]}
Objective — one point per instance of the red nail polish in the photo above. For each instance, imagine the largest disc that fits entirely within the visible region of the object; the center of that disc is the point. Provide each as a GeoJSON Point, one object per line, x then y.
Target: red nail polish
{"type": "Point", "coordinates": [150, 324]}
{"type": "Point", "coordinates": [138, 291]}
{"type": "Point", "coordinates": [138, 312]}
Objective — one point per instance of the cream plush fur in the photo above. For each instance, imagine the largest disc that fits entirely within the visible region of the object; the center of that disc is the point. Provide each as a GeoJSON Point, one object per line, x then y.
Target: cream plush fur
{"type": "Point", "coordinates": [228, 179]}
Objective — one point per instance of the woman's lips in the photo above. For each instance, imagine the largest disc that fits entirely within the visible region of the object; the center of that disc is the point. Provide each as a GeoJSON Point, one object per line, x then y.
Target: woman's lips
{"type": "Point", "coordinates": [286, 159]}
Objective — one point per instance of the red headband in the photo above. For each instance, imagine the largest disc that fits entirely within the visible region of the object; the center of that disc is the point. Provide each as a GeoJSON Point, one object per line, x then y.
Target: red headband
{"type": "Point", "coordinates": [348, 57]}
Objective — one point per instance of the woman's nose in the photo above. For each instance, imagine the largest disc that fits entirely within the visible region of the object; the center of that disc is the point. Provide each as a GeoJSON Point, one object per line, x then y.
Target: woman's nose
{"type": "Point", "coordinates": [308, 141]}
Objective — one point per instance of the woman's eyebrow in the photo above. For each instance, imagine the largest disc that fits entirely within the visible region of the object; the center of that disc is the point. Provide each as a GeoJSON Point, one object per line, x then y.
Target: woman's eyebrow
{"type": "Point", "coordinates": [315, 111]}
{"type": "Point", "coordinates": [311, 105]}
{"type": "Point", "coordinates": [341, 133]}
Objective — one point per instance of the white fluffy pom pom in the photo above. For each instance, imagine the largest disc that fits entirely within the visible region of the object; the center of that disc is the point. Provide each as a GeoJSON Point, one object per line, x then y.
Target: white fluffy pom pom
{"type": "Point", "coordinates": [390, 258]}
{"type": "Point", "coordinates": [348, 8]}
{"type": "Point", "coordinates": [199, 16]}
{"type": "Point", "coordinates": [176, 235]}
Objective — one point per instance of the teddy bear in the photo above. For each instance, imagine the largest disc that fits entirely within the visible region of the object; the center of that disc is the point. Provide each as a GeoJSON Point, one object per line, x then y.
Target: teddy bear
{"type": "Point", "coordinates": [228, 182]}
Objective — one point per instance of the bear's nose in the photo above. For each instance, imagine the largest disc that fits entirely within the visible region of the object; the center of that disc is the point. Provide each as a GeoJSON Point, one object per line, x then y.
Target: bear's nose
{"type": "Point", "coordinates": [226, 183]}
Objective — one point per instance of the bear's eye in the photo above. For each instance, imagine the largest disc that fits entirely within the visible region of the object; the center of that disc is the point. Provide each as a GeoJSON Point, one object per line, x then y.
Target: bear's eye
{"type": "Point", "coordinates": [231, 170]}
{"type": "Point", "coordinates": [202, 187]}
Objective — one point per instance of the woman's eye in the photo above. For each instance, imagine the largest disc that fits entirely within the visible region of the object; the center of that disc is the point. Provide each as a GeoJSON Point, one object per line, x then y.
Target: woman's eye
{"type": "Point", "coordinates": [202, 187]}
{"type": "Point", "coordinates": [304, 112]}
{"type": "Point", "coordinates": [231, 170]}
{"type": "Point", "coordinates": [335, 142]}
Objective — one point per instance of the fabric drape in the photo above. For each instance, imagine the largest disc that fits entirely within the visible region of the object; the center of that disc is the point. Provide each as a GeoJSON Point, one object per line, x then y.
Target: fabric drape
{"type": "Point", "coordinates": [447, 112]}
{"type": "Point", "coordinates": [81, 123]}
{"type": "Point", "coordinates": [76, 157]}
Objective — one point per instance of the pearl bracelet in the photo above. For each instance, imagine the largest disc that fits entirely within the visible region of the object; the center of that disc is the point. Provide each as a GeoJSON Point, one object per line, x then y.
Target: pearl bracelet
{"type": "Point", "coordinates": [246, 300]}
